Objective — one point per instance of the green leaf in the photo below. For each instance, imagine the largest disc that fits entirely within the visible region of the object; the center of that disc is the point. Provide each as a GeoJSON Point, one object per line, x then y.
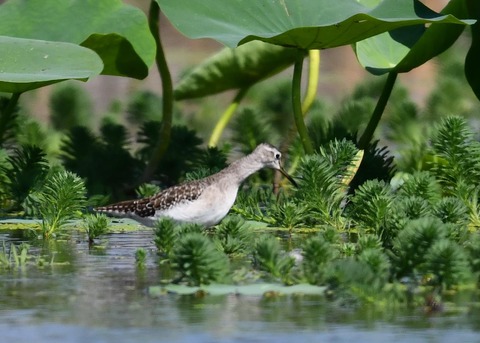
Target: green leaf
{"type": "Point", "coordinates": [305, 24]}
{"type": "Point", "coordinates": [119, 33]}
{"type": "Point", "coordinates": [235, 68]}
{"type": "Point", "coordinates": [406, 48]}
{"type": "Point", "coordinates": [27, 64]}
{"type": "Point", "coordinates": [472, 72]}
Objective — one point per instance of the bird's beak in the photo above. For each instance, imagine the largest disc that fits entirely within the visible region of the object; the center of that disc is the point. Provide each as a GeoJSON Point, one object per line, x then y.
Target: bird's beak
{"type": "Point", "coordinates": [288, 176]}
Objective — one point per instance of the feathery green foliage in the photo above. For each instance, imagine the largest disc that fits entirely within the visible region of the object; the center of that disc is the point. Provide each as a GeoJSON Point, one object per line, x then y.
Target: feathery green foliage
{"type": "Point", "coordinates": [289, 214]}
{"type": "Point", "coordinates": [451, 210]}
{"type": "Point", "coordinates": [320, 189]}
{"type": "Point", "coordinates": [317, 253]}
{"type": "Point", "coordinates": [8, 122]}
{"type": "Point", "coordinates": [233, 237]}
{"type": "Point", "coordinates": [211, 160]}
{"type": "Point", "coordinates": [249, 129]}
{"type": "Point", "coordinates": [254, 204]}
{"type": "Point", "coordinates": [371, 206]}
{"type": "Point", "coordinates": [378, 263]}
{"type": "Point", "coordinates": [458, 155]}
{"type": "Point", "coordinates": [165, 236]}
{"type": "Point", "coordinates": [197, 260]}
{"type": "Point", "coordinates": [140, 258]}
{"type": "Point", "coordinates": [144, 106]}
{"type": "Point", "coordinates": [473, 249]}
{"type": "Point", "coordinates": [413, 242]}
{"type": "Point", "coordinates": [377, 163]}
{"type": "Point", "coordinates": [104, 161]}
{"type": "Point", "coordinates": [268, 257]}
{"type": "Point", "coordinates": [447, 262]}
{"type": "Point", "coordinates": [182, 154]}
{"type": "Point", "coordinates": [70, 106]}
{"type": "Point", "coordinates": [146, 190]}
{"type": "Point", "coordinates": [421, 184]}
{"type": "Point", "coordinates": [25, 172]}
{"type": "Point", "coordinates": [95, 225]}
{"type": "Point", "coordinates": [413, 207]}
{"type": "Point", "coordinates": [368, 241]}
{"type": "Point", "coordinates": [61, 199]}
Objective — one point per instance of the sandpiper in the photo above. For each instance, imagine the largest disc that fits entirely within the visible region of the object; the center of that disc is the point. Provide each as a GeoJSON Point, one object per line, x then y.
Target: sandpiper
{"type": "Point", "coordinates": [205, 201]}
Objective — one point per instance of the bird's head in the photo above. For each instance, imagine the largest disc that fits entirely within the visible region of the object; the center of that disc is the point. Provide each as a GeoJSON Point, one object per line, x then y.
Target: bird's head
{"type": "Point", "coordinates": [270, 157]}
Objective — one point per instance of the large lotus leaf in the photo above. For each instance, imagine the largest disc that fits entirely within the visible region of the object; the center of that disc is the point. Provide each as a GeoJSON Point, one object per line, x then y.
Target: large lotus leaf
{"type": "Point", "coordinates": [27, 64]}
{"type": "Point", "coordinates": [117, 32]}
{"type": "Point", "coordinates": [406, 48]}
{"type": "Point", "coordinates": [235, 68]}
{"type": "Point", "coordinates": [472, 72]}
{"type": "Point", "coordinates": [306, 24]}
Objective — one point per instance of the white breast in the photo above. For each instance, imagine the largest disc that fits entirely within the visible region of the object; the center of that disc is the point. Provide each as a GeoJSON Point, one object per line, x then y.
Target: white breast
{"type": "Point", "coordinates": [208, 209]}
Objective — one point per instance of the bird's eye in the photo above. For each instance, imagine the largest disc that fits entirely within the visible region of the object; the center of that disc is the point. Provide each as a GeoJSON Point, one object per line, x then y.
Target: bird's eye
{"type": "Point", "coordinates": [277, 156]}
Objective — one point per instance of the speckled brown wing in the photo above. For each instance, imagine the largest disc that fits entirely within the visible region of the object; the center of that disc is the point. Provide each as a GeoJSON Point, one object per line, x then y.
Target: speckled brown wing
{"type": "Point", "coordinates": [177, 194]}
{"type": "Point", "coordinates": [159, 202]}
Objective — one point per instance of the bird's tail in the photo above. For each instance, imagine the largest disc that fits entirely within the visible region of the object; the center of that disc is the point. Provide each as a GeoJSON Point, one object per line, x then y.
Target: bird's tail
{"type": "Point", "coordinates": [141, 208]}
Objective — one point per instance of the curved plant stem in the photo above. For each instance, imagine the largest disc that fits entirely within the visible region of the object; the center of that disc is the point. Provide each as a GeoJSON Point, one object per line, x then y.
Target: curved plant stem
{"type": "Point", "coordinates": [226, 117]}
{"type": "Point", "coordinates": [312, 86]}
{"type": "Point", "coordinates": [164, 138]}
{"type": "Point", "coordinates": [313, 76]}
{"type": "Point", "coordinates": [378, 111]}
{"type": "Point", "coordinates": [297, 104]}
{"type": "Point", "coordinates": [7, 116]}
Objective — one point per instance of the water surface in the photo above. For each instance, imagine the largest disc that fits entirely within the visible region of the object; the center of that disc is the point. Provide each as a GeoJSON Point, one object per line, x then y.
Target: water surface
{"type": "Point", "coordinates": [98, 295]}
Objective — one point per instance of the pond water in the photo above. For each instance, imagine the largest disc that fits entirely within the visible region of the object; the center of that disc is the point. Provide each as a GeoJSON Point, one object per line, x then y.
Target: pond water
{"type": "Point", "coordinates": [98, 295]}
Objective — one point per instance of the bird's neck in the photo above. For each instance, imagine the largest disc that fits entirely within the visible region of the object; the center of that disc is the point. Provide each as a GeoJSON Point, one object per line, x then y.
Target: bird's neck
{"type": "Point", "coordinates": [242, 168]}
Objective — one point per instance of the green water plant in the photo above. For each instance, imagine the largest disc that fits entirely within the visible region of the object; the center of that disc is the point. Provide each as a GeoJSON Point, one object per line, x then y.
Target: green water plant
{"type": "Point", "coordinates": [457, 154]}
{"type": "Point", "coordinates": [233, 236]}
{"type": "Point", "coordinates": [70, 106]}
{"type": "Point", "coordinates": [15, 257]}
{"type": "Point", "coordinates": [95, 225]}
{"type": "Point", "coordinates": [317, 253]}
{"type": "Point", "coordinates": [8, 119]}
{"type": "Point", "coordinates": [165, 236]}
{"type": "Point", "coordinates": [140, 258]}
{"type": "Point", "coordinates": [25, 171]}
{"type": "Point", "coordinates": [371, 206]}
{"type": "Point", "coordinates": [60, 200]}
{"type": "Point", "coordinates": [197, 260]}
{"type": "Point", "coordinates": [147, 190]}
{"type": "Point", "coordinates": [447, 262]}
{"type": "Point", "coordinates": [413, 242]}
{"type": "Point", "coordinates": [268, 257]}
